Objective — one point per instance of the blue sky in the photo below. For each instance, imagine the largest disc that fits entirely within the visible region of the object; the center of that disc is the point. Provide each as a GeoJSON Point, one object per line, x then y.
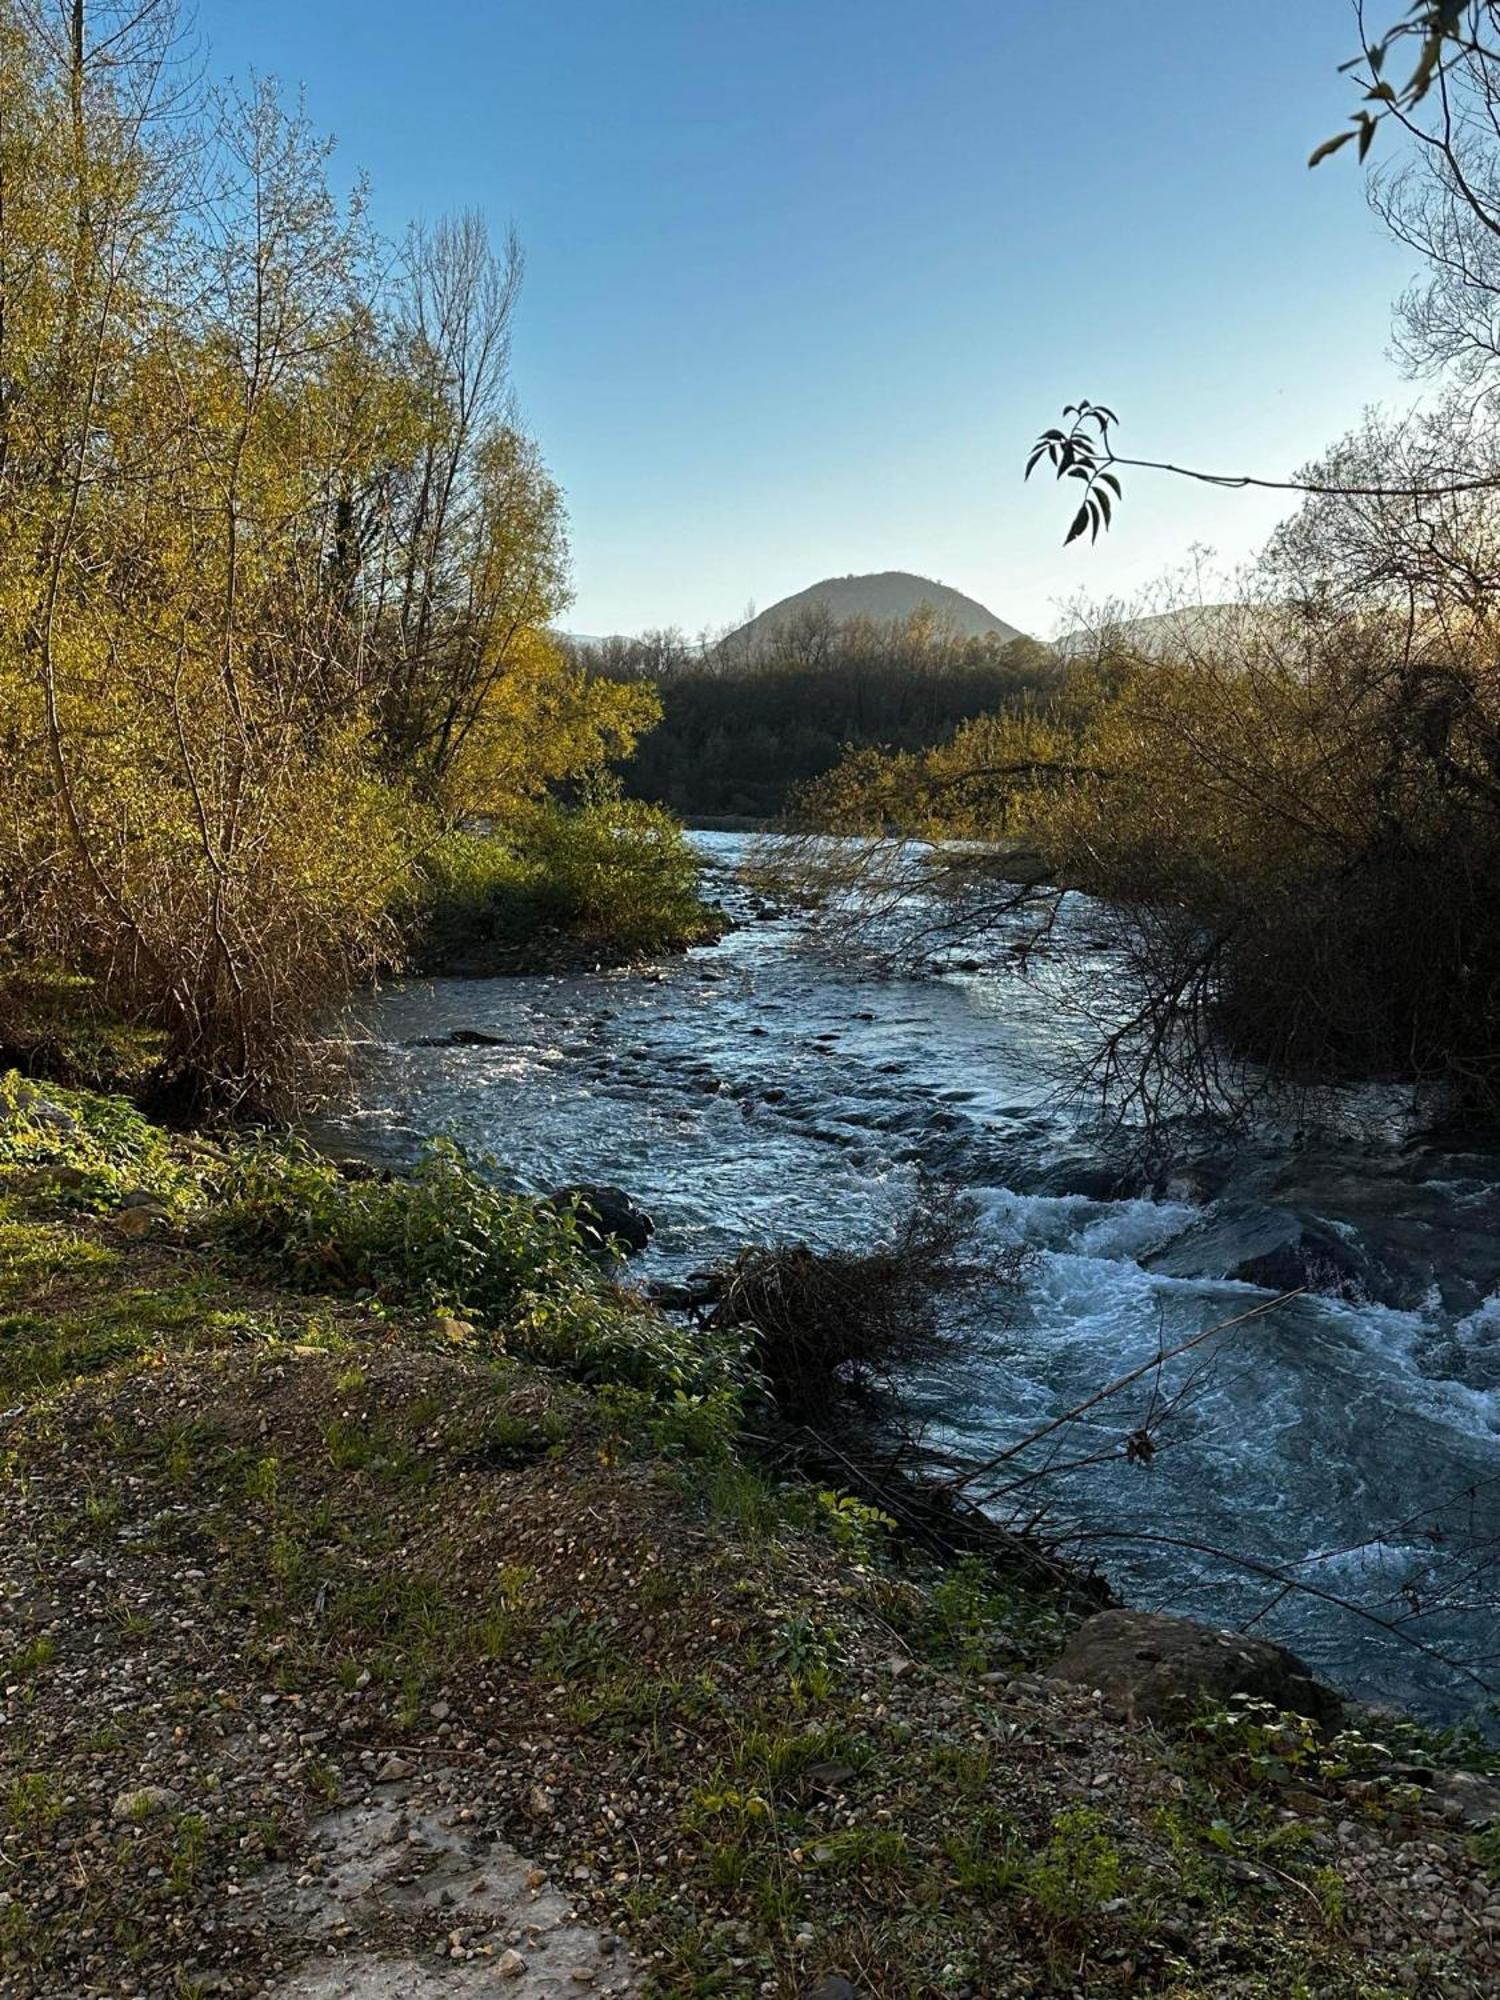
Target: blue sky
{"type": "Point", "coordinates": [805, 277]}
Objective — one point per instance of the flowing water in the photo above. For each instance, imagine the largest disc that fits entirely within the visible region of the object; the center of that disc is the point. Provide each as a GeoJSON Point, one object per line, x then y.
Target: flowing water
{"type": "Point", "coordinates": [753, 1091]}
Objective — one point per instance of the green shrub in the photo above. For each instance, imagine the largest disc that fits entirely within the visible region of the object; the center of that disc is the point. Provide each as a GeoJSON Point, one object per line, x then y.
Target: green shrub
{"type": "Point", "coordinates": [91, 1148]}
{"type": "Point", "coordinates": [445, 1238]}
{"type": "Point", "coordinates": [1080, 1870]}
{"type": "Point", "coordinates": [618, 869]}
{"type": "Point", "coordinates": [613, 873]}
{"type": "Point", "coordinates": [701, 1426]}
{"type": "Point", "coordinates": [470, 890]}
{"type": "Point", "coordinates": [969, 1619]}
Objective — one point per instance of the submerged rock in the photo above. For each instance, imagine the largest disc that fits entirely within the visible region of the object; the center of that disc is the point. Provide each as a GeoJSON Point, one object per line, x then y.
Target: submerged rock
{"type": "Point", "coordinates": [699, 1292]}
{"type": "Point", "coordinates": [459, 1038]}
{"type": "Point", "coordinates": [1163, 1670]}
{"type": "Point", "coordinates": [1272, 1247]}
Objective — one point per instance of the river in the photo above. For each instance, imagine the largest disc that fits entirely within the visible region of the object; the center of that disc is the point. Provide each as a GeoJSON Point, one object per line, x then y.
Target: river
{"type": "Point", "coordinates": [755, 1091]}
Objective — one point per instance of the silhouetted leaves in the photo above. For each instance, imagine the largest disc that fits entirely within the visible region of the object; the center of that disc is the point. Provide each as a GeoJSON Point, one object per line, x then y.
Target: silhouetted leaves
{"type": "Point", "coordinates": [1447, 32]}
{"type": "Point", "coordinates": [1083, 452]}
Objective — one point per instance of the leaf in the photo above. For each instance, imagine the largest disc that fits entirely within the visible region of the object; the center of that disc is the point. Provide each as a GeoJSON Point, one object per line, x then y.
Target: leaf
{"type": "Point", "coordinates": [1080, 523]}
{"type": "Point", "coordinates": [1328, 146]}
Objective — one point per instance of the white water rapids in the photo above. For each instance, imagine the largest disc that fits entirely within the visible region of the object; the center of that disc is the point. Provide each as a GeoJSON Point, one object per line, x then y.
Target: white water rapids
{"type": "Point", "coordinates": [752, 1091]}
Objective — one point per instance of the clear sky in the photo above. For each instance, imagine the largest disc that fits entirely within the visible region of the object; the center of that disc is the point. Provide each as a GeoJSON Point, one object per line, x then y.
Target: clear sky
{"type": "Point", "coordinates": [805, 277]}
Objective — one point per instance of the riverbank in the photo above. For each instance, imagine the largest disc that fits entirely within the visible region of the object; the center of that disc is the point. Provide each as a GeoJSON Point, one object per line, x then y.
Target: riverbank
{"type": "Point", "coordinates": [351, 1651]}
{"type": "Point", "coordinates": [759, 1092]}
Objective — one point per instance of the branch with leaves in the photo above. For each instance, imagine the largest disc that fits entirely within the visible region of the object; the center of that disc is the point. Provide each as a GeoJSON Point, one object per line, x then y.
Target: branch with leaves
{"type": "Point", "coordinates": [1447, 51]}
{"type": "Point", "coordinates": [1445, 33]}
{"type": "Point", "coordinates": [1086, 451]}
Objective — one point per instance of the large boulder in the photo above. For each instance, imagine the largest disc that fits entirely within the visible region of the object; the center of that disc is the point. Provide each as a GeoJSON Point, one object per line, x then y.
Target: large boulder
{"type": "Point", "coordinates": [608, 1217]}
{"type": "Point", "coordinates": [1273, 1247]}
{"type": "Point", "coordinates": [1164, 1671]}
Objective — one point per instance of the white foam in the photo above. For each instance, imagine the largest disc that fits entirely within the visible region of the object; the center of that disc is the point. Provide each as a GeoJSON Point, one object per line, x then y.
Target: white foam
{"type": "Point", "coordinates": [1483, 1324]}
{"type": "Point", "coordinates": [1103, 1229]}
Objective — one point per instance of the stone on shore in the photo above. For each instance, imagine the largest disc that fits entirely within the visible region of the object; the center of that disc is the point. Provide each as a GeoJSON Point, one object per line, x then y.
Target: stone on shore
{"type": "Point", "coordinates": [1164, 1671]}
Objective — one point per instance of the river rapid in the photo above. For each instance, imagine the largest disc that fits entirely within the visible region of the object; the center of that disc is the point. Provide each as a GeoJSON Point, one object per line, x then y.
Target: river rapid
{"type": "Point", "coordinates": [754, 1091]}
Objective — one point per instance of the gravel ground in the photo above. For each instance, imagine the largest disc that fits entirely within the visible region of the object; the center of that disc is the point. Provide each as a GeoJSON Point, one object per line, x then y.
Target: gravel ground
{"type": "Point", "coordinates": [337, 1664]}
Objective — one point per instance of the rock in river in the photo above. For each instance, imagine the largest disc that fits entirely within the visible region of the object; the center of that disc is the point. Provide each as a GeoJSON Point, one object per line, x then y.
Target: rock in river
{"type": "Point", "coordinates": [607, 1214]}
{"type": "Point", "coordinates": [1274, 1247]}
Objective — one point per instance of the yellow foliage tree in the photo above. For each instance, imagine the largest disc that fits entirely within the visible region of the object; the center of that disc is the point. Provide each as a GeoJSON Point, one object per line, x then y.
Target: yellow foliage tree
{"type": "Point", "coordinates": [276, 562]}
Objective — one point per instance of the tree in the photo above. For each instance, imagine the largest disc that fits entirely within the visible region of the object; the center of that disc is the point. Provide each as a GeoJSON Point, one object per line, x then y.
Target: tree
{"type": "Point", "coordinates": [276, 559]}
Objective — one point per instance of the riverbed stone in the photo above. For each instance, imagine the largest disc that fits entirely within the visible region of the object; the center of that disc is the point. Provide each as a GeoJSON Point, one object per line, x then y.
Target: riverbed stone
{"type": "Point", "coordinates": [1471, 1798]}
{"type": "Point", "coordinates": [607, 1215]}
{"type": "Point", "coordinates": [1268, 1246]}
{"type": "Point", "coordinates": [1162, 1670]}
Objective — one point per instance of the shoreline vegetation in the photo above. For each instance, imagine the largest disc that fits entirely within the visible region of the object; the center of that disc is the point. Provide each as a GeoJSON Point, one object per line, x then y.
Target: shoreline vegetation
{"type": "Point", "coordinates": [391, 1600]}
{"type": "Point", "coordinates": [340, 1500]}
{"type": "Point", "coordinates": [607, 883]}
{"type": "Point", "coordinates": [562, 889]}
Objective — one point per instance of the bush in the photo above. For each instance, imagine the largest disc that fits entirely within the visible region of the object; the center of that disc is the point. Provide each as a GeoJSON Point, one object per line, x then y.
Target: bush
{"type": "Point", "coordinates": [446, 1239]}
{"type": "Point", "coordinates": [469, 891]}
{"type": "Point", "coordinates": [92, 1149]}
{"type": "Point", "coordinates": [1290, 818]}
{"type": "Point", "coordinates": [828, 1329]}
{"type": "Point", "coordinates": [614, 874]}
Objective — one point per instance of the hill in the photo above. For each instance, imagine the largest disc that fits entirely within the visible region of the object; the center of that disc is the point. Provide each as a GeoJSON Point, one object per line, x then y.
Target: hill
{"type": "Point", "coordinates": [1184, 630]}
{"type": "Point", "coordinates": [883, 597]}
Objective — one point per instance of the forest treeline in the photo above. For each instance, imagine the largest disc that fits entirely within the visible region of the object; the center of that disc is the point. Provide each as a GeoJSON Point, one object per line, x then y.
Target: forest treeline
{"type": "Point", "coordinates": [278, 561]}
{"type": "Point", "coordinates": [741, 730]}
{"type": "Point", "coordinates": [1290, 811]}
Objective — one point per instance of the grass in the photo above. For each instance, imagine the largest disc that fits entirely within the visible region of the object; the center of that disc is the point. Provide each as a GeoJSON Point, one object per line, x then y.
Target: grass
{"type": "Point", "coordinates": [52, 1025]}
{"type": "Point", "coordinates": [283, 1524]}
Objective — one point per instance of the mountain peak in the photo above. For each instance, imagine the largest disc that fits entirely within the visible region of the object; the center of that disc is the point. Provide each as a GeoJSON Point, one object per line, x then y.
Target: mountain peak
{"type": "Point", "coordinates": [882, 596]}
